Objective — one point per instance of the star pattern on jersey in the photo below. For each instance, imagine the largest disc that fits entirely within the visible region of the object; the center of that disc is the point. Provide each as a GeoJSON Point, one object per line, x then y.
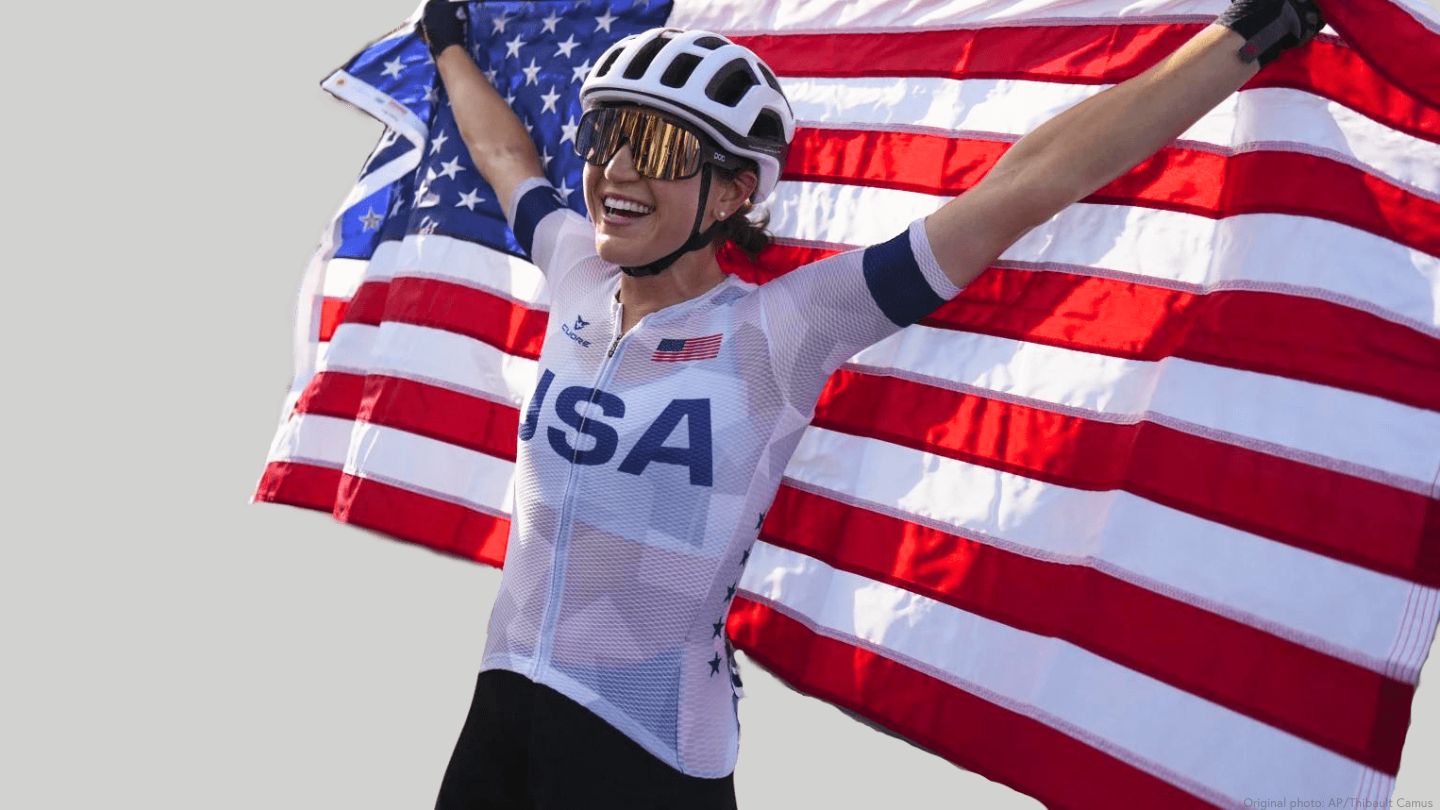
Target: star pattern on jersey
{"type": "Point", "coordinates": [470, 199]}
{"type": "Point", "coordinates": [730, 592]}
{"type": "Point", "coordinates": [719, 628]}
{"type": "Point", "coordinates": [715, 664]}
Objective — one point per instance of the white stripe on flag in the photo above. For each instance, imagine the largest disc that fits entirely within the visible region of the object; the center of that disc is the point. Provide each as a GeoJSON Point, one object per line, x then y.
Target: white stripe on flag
{"type": "Point", "coordinates": [792, 16]}
{"type": "Point", "coordinates": [431, 467]}
{"type": "Point", "coordinates": [1163, 730]}
{"type": "Point", "coordinates": [1339, 609]}
{"type": "Point", "coordinates": [1305, 421]}
{"type": "Point", "coordinates": [1167, 248]}
{"type": "Point", "coordinates": [1272, 118]}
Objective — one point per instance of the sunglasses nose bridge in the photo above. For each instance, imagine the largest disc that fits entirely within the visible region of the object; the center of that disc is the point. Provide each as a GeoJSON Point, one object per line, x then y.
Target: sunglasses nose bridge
{"type": "Point", "coordinates": [615, 167]}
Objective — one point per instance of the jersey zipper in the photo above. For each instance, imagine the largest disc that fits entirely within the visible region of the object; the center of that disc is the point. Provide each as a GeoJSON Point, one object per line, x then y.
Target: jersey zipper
{"type": "Point", "coordinates": [567, 510]}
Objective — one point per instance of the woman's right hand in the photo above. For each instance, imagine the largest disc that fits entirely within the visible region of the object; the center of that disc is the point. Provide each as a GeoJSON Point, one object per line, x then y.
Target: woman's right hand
{"type": "Point", "coordinates": [443, 24]}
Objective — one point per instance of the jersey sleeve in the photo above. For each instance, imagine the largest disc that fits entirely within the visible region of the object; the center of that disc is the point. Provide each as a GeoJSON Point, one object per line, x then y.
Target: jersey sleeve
{"type": "Point", "coordinates": [819, 315]}
{"type": "Point", "coordinates": [556, 238]}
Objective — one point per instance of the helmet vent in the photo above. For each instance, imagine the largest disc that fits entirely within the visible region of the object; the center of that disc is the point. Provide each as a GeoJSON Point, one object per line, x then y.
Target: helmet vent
{"type": "Point", "coordinates": [644, 57]}
{"type": "Point", "coordinates": [608, 61]}
{"type": "Point", "coordinates": [710, 43]}
{"type": "Point", "coordinates": [731, 83]}
{"type": "Point", "coordinates": [680, 70]}
{"type": "Point", "coordinates": [770, 78]}
{"type": "Point", "coordinates": [767, 126]}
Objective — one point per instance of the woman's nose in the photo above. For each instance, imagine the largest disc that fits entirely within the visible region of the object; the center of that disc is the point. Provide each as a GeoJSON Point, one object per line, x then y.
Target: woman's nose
{"type": "Point", "coordinates": [621, 165]}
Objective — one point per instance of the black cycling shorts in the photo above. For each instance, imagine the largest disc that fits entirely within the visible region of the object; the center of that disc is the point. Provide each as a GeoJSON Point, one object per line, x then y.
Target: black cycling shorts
{"type": "Point", "coordinates": [525, 745]}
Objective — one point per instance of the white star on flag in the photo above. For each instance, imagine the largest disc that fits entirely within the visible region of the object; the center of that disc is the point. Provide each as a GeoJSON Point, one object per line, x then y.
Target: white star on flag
{"type": "Point", "coordinates": [512, 47]}
{"type": "Point", "coordinates": [470, 199]}
{"type": "Point", "coordinates": [451, 167]}
{"type": "Point", "coordinates": [550, 98]}
{"type": "Point", "coordinates": [569, 130]}
{"type": "Point", "coordinates": [602, 23]}
{"type": "Point", "coordinates": [500, 22]}
{"type": "Point", "coordinates": [550, 23]}
{"type": "Point", "coordinates": [545, 158]}
{"type": "Point", "coordinates": [564, 191]}
{"type": "Point", "coordinates": [532, 73]}
{"type": "Point", "coordinates": [564, 48]}
{"type": "Point", "coordinates": [581, 71]}
{"type": "Point", "coordinates": [438, 141]}
{"type": "Point", "coordinates": [371, 220]}
{"type": "Point", "coordinates": [392, 69]}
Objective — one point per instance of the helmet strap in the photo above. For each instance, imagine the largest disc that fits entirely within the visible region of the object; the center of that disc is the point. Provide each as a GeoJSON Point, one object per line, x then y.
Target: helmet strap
{"type": "Point", "coordinates": [697, 240]}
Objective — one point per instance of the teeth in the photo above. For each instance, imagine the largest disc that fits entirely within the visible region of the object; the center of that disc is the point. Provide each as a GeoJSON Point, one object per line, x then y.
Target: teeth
{"type": "Point", "coordinates": [626, 205]}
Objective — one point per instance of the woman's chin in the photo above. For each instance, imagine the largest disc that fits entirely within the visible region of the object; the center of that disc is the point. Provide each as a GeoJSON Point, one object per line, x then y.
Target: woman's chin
{"type": "Point", "coordinates": [624, 252]}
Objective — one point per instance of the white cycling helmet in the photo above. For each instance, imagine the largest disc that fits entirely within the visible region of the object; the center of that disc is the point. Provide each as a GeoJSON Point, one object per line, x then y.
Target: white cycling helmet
{"type": "Point", "coordinates": [722, 88]}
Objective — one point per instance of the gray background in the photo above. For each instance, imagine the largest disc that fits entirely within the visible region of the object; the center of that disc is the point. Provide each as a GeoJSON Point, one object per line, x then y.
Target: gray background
{"type": "Point", "coordinates": [167, 645]}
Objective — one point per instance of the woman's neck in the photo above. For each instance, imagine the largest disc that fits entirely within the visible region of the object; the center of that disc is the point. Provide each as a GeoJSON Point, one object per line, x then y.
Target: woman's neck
{"type": "Point", "coordinates": [691, 275]}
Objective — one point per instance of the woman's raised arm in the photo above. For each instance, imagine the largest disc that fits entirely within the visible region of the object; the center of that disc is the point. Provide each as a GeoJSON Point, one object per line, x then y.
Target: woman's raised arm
{"type": "Point", "coordinates": [496, 139]}
{"type": "Point", "coordinates": [1080, 150]}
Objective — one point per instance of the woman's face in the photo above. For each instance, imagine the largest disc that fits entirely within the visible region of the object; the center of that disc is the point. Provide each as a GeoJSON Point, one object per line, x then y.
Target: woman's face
{"type": "Point", "coordinates": [638, 220]}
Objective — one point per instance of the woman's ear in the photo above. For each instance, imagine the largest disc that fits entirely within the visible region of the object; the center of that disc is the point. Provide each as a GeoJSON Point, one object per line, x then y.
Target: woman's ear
{"type": "Point", "coordinates": [736, 192]}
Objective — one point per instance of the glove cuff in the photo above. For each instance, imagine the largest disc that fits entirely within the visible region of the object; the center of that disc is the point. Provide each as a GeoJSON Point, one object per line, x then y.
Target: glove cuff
{"type": "Point", "coordinates": [443, 24]}
{"type": "Point", "coordinates": [1270, 27]}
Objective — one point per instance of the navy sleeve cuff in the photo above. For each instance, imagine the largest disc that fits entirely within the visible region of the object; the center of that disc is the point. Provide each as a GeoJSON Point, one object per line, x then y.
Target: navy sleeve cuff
{"type": "Point", "coordinates": [534, 203]}
{"type": "Point", "coordinates": [899, 284]}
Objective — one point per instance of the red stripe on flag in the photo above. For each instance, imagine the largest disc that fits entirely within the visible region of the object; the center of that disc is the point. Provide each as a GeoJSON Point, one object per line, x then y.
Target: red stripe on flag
{"type": "Point", "coordinates": [461, 419]}
{"type": "Point", "coordinates": [1174, 179]}
{"type": "Point", "coordinates": [367, 306]}
{"type": "Point", "coordinates": [1291, 336]}
{"type": "Point", "coordinates": [292, 483]}
{"type": "Point", "coordinates": [1397, 45]}
{"type": "Point", "coordinates": [1269, 333]}
{"type": "Point", "coordinates": [1322, 511]}
{"type": "Point", "coordinates": [332, 312]}
{"type": "Point", "coordinates": [997, 743]}
{"type": "Point", "coordinates": [486, 317]}
{"type": "Point", "coordinates": [1087, 54]}
{"type": "Point", "coordinates": [1275, 681]}
{"type": "Point", "coordinates": [464, 420]}
{"type": "Point", "coordinates": [436, 524]}
{"type": "Point", "coordinates": [332, 393]}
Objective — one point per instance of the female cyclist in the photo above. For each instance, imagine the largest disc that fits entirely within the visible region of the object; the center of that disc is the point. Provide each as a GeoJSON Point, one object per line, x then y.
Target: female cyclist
{"type": "Point", "coordinates": [671, 395]}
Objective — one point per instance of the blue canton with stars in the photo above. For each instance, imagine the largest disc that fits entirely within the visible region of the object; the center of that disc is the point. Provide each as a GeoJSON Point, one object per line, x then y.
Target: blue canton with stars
{"type": "Point", "coordinates": [536, 54]}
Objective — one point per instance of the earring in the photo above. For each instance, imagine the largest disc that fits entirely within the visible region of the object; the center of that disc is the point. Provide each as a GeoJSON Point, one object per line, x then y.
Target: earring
{"type": "Point", "coordinates": [720, 215]}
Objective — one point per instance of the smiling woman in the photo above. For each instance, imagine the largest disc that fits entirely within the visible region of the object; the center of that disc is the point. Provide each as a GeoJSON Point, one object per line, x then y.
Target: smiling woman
{"type": "Point", "coordinates": [670, 395]}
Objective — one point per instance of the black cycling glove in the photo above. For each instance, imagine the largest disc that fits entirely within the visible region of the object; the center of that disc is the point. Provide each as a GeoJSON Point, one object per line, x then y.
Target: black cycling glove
{"type": "Point", "coordinates": [443, 24]}
{"type": "Point", "coordinates": [1271, 26]}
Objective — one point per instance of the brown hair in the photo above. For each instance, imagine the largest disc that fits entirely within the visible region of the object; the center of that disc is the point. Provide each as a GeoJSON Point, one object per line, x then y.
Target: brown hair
{"type": "Point", "coordinates": [750, 235]}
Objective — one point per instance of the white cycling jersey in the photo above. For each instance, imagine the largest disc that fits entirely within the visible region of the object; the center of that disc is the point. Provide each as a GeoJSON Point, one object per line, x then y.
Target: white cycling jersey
{"type": "Point", "coordinates": [646, 462]}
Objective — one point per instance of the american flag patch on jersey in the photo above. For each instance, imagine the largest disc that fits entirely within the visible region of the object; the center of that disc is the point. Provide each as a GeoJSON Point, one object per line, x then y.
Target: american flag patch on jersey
{"type": "Point", "coordinates": [673, 350]}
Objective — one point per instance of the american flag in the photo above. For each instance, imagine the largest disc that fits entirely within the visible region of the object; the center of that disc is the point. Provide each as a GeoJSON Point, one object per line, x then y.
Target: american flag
{"type": "Point", "coordinates": [1148, 511]}
{"type": "Point", "coordinates": [674, 350]}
